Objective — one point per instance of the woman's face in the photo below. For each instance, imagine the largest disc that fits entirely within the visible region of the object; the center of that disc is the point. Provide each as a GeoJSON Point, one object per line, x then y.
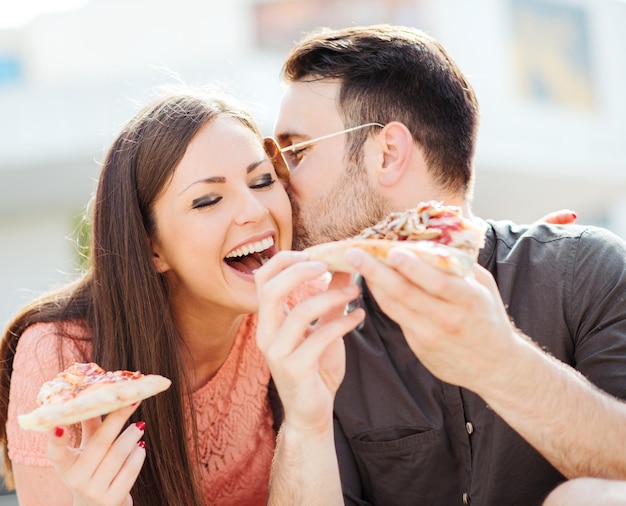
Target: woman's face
{"type": "Point", "coordinates": [223, 213]}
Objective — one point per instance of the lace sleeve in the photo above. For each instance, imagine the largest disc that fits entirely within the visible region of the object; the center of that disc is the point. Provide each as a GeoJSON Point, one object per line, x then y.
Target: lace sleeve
{"type": "Point", "coordinates": [36, 361]}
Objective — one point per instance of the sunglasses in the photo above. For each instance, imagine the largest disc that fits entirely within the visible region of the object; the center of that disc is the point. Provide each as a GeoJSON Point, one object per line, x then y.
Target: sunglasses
{"type": "Point", "coordinates": [275, 152]}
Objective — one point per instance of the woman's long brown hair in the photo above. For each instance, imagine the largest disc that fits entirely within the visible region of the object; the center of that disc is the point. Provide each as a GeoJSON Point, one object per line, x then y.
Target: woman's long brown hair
{"type": "Point", "coordinates": [122, 301]}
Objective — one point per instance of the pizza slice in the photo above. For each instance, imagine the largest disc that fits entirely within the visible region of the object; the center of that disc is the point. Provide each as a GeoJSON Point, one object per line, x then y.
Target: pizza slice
{"type": "Point", "coordinates": [85, 390]}
{"type": "Point", "coordinates": [437, 233]}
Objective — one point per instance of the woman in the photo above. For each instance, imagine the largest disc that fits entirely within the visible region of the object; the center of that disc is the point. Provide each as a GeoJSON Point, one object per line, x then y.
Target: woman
{"type": "Point", "coordinates": [188, 205]}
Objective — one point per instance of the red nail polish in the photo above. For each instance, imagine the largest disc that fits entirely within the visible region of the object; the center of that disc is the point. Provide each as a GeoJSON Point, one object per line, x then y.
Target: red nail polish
{"type": "Point", "coordinates": [141, 426]}
{"type": "Point", "coordinates": [58, 432]}
{"type": "Point", "coordinates": [141, 444]}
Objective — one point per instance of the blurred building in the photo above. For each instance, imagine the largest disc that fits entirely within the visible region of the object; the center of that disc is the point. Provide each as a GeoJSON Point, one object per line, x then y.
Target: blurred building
{"type": "Point", "coordinates": [550, 76]}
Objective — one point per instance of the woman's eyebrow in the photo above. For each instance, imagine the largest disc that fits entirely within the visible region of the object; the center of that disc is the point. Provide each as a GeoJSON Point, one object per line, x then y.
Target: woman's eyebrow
{"type": "Point", "coordinates": [222, 179]}
{"type": "Point", "coordinates": [212, 179]}
{"type": "Point", "coordinates": [254, 165]}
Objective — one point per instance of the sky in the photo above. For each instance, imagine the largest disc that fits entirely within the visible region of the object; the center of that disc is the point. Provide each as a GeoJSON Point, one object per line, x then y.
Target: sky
{"type": "Point", "coordinates": [17, 13]}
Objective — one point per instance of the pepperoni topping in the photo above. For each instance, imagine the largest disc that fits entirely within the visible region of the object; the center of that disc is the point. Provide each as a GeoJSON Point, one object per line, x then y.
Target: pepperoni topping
{"type": "Point", "coordinates": [76, 378]}
{"type": "Point", "coordinates": [431, 221]}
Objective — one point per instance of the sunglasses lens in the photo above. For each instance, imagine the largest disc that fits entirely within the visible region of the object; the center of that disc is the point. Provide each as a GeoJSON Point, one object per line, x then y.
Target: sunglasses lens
{"type": "Point", "coordinates": [278, 160]}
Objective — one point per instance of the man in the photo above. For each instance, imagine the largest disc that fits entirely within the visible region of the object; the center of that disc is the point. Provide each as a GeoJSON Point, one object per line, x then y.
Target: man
{"type": "Point", "coordinates": [588, 492]}
{"type": "Point", "coordinates": [444, 401]}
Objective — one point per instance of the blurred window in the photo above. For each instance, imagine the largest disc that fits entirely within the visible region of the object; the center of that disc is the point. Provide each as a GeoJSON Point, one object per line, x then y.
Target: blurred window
{"type": "Point", "coordinates": [10, 69]}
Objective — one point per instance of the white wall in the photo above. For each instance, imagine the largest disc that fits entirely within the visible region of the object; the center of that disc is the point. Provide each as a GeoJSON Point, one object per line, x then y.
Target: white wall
{"type": "Point", "coordinates": [37, 254]}
{"type": "Point", "coordinates": [535, 156]}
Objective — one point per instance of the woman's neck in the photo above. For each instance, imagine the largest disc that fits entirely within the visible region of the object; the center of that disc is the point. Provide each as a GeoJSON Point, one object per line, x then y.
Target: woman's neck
{"type": "Point", "coordinates": [207, 343]}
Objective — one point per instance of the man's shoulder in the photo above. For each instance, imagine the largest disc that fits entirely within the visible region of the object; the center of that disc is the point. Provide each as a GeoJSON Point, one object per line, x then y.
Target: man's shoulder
{"type": "Point", "coordinates": [510, 232]}
{"type": "Point", "coordinates": [507, 241]}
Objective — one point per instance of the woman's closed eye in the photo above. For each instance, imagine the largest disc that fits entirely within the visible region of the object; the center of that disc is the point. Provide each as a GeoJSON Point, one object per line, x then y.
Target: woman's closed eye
{"type": "Point", "coordinates": [263, 181]}
{"type": "Point", "coordinates": [205, 201]}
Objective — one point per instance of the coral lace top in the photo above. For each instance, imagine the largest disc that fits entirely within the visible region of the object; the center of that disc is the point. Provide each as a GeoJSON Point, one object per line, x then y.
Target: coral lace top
{"type": "Point", "coordinates": [235, 435]}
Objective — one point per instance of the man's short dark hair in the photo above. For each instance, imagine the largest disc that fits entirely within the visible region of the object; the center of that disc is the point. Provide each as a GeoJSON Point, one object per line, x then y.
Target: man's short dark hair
{"type": "Point", "coordinates": [394, 73]}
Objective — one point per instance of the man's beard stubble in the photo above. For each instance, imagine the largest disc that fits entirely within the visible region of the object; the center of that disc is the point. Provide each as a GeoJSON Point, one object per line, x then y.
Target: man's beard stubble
{"type": "Point", "coordinates": [348, 208]}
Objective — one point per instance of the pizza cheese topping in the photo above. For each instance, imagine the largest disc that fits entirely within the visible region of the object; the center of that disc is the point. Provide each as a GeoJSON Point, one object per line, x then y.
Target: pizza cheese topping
{"type": "Point", "coordinates": [430, 221]}
{"type": "Point", "coordinates": [437, 233]}
{"type": "Point", "coordinates": [76, 378]}
{"type": "Point", "coordinates": [84, 391]}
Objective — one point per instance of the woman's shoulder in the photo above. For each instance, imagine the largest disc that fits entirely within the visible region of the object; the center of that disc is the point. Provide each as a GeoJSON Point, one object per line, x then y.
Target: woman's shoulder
{"type": "Point", "coordinates": [43, 350]}
{"type": "Point", "coordinates": [37, 339]}
{"type": "Point", "coordinates": [46, 342]}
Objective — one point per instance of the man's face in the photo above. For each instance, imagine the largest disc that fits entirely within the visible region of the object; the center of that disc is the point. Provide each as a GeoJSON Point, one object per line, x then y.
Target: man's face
{"type": "Point", "coordinates": [332, 199]}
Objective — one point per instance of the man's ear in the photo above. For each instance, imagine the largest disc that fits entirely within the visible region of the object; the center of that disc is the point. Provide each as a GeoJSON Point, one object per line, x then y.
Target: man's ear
{"type": "Point", "coordinates": [397, 150]}
{"type": "Point", "coordinates": [160, 263]}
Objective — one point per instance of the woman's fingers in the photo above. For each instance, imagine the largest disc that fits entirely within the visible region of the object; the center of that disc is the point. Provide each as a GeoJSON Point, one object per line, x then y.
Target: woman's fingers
{"type": "Point", "coordinates": [297, 325]}
{"type": "Point", "coordinates": [105, 467]}
{"type": "Point", "coordinates": [278, 283]}
{"type": "Point", "coordinates": [278, 263]}
{"type": "Point", "coordinates": [117, 457]}
{"type": "Point", "coordinates": [341, 280]}
{"type": "Point", "coordinates": [319, 341]}
{"type": "Point", "coordinates": [89, 428]}
{"type": "Point", "coordinates": [97, 438]}
{"type": "Point", "coordinates": [59, 452]}
{"type": "Point", "coordinates": [118, 471]}
{"type": "Point", "coordinates": [101, 434]}
{"type": "Point", "coordinates": [279, 277]}
{"type": "Point", "coordinates": [127, 476]}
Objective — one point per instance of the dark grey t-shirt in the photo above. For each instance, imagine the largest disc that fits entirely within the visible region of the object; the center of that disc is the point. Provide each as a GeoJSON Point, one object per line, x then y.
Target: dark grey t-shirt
{"type": "Point", "coordinates": [405, 438]}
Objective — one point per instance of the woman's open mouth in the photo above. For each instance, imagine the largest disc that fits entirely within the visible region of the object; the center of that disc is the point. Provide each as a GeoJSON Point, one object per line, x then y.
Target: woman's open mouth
{"type": "Point", "coordinates": [251, 256]}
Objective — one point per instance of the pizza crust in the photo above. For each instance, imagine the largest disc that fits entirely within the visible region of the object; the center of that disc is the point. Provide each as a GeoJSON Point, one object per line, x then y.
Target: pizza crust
{"type": "Point", "coordinates": [451, 260]}
{"type": "Point", "coordinates": [96, 400]}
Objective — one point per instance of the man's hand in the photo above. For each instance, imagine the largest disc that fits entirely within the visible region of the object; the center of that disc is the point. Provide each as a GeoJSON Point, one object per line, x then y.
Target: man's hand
{"type": "Point", "coordinates": [457, 327]}
{"type": "Point", "coordinates": [588, 491]}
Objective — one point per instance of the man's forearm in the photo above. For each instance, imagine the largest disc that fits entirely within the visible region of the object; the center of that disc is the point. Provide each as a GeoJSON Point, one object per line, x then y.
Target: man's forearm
{"type": "Point", "coordinates": [305, 469]}
{"type": "Point", "coordinates": [588, 492]}
{"type": "Point", "coordinates": [578, 428]}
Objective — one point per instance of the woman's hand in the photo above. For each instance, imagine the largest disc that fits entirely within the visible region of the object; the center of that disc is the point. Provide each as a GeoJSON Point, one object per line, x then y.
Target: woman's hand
{"type": "Point", "coordinates": [105, 467]}
{"type": "Point", "coordinates": [560, 217]}
{"type": "Point", "coordinates": [303, 346]}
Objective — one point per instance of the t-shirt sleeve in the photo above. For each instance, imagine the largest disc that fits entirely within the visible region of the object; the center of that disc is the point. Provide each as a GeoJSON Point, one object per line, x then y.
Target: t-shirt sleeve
{"type": "Point", "coordinates": [598, 308]}
{"type": "Point", "coordinates": [36, 361]}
